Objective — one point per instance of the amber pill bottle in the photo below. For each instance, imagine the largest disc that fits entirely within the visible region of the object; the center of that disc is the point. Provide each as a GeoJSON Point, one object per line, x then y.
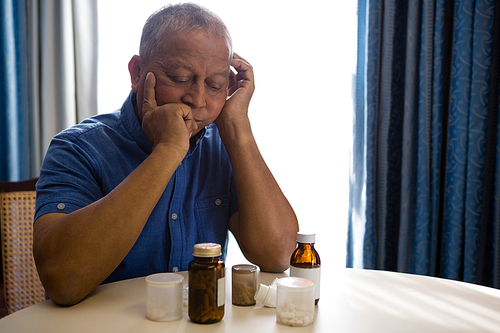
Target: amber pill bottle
{"type": "Point", "coordinates": [206, 284]}
{"type": "Point", "coordinates": [305, 261]}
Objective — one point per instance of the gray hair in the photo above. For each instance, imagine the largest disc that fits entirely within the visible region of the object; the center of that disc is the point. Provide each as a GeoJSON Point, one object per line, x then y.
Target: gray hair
{"type": "Point", "coordinates": [180, 17]}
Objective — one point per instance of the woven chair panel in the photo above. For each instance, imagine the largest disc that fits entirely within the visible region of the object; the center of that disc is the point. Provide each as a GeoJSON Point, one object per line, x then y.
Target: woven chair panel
{"type": "Point", "coordinates": [21, 282]}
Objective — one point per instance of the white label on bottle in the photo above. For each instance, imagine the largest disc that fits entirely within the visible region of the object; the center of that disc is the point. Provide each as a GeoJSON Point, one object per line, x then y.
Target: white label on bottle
{"type": "Point", "coordinates": [221, 292]}
{"type": "Point", "coordinates": [313, 274]}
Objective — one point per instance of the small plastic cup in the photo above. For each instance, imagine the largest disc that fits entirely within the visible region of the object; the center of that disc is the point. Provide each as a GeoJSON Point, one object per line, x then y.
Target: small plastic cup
{"type": "Point", "coordinates": [164, 297]}
{"type": "Point", "coordinates": [244, 283]}
{"type": "Point", "coordinates": [295, 301]}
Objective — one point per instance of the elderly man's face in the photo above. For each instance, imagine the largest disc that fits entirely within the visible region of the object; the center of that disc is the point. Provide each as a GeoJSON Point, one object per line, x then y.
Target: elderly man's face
{"type": "Point", "coordinates": [191, 68]}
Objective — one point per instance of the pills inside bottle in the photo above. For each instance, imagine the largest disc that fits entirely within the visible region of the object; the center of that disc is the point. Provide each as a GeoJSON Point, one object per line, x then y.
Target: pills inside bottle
{"type": "Point", "coordinates": [164, 297]}
{"type": "Point", "coordinates": [206, 284]}
{"type": "Point", "coordinates": [295, 301]}
{"type": "Point", "coordinates": [244, 279]}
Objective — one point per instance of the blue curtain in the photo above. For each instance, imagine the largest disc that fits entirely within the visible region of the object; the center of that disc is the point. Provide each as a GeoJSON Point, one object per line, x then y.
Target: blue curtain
{"type": "Point", "coordinates": [14, 110]}
{"type": "Point", "coordinates": [424, 188]}
{"type": "Point", "coordinates": [48, 77]}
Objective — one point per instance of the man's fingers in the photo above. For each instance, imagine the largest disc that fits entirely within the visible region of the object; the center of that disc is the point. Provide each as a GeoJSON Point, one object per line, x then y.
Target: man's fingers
{"type": "Point", "coordinates": [149, 100]}
{"type": "Point", "coordinates": [187, 116]}
{"type": "Point", "coordinates": [244, 71]}
{"type": "Point", "coordinates": [243, 76]}
{"type": "Point", "coordinates": [232, 83]}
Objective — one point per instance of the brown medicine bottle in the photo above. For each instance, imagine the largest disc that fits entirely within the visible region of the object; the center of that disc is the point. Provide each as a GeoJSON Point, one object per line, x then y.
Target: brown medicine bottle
{"type": "Point", "coordinates": [206, 284]}
{"type": "Point", "coordinates": [305, 261]}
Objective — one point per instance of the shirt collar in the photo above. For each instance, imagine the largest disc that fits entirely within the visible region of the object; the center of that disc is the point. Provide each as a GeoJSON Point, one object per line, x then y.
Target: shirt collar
{"type": "Point", "coordinates": [132, 126]}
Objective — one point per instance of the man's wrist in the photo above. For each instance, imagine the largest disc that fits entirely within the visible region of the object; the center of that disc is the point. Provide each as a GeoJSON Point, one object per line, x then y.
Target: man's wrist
{"type": "Point", "coordinates": [238, 129]}
{"type": "Point", "coordinates": [170, 151]}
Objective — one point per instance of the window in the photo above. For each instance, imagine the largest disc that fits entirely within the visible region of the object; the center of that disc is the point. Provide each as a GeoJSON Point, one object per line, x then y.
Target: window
{"type": "Point", "coordinates": [304, 58]}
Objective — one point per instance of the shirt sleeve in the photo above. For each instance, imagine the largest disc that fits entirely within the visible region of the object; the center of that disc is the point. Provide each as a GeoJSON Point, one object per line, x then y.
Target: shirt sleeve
{"type": "Point", "coordinates": [68, 179]}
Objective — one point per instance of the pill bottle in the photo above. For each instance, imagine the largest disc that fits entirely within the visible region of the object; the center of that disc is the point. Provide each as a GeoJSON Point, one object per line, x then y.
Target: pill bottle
{"type": "Point", "coordinates": [206, 284]}
{"type": "Point", "coordinates": [164, 297]}
{"type": "Point", "coordinates": [305, 261]}
{"type": "Point", "coordinates": [295, 301]}
{"type": "Point", "coordinates": [267, 294]}
{"type": "Point", "coordinates": [244, 281]}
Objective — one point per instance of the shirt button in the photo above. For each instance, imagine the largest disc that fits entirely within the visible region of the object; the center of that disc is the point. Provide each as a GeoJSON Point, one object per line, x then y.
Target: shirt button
{"type": "Point", "coordinates": [61, 206]}
{"type": "Point", "coordinates": [174, 216]}
{"type": "Point", "coordinates": [175, 269]}
{"type": "Point", "coordinates": [218, 202]}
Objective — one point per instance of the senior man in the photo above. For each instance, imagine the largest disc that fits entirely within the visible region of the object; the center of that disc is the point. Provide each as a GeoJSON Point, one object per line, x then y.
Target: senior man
{"type": "Point", "coordinates": [129, 193]}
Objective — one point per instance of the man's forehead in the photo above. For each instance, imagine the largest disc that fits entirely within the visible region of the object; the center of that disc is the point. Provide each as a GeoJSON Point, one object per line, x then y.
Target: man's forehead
{"type": "Point", "coordinates": [217, 68]}
{"type": "Point", "coordinates": [194, 39]}
{"type": "Point", "coordinates": [191, 63]}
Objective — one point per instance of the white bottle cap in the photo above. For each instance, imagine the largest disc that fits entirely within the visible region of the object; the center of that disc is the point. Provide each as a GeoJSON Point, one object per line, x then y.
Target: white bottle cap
{"type": "Point", "coordinates": [306, 238]}
{"type": "Point", "coordinates": [267, 294]}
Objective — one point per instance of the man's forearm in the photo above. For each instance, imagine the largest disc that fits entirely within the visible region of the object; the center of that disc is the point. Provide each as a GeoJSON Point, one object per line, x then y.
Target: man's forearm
{"type": "Point", "coordinates": [76, 252]}
{"type": "Point", "coordinates": [267, 226]}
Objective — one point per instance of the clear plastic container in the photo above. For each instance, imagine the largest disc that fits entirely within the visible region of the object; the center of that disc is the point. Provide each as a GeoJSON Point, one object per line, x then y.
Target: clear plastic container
{"type": "Point", "coordinates": [244, 281]}
{"type": "Point", "coordinates": [295, 301]}
{"type": "Point", "coordinates": [164, 298]}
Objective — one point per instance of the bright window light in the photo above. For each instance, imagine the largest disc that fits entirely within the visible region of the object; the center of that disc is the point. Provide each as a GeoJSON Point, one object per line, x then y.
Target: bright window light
{"type": "Point", "coordinates": [304, 58]}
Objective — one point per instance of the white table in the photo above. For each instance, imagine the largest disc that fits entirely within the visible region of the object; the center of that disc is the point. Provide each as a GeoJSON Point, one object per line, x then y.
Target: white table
{"type": "Point", "coordinates": [351, 301]}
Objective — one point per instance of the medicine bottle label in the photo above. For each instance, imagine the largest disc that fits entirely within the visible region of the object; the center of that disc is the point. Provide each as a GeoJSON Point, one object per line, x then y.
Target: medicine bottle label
{"type": "Point", "coordinates": [221, 292]}
{"type": "Point", "coordinates": [313, 274]}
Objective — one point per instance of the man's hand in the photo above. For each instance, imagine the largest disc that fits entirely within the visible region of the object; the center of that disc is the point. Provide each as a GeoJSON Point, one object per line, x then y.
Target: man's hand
{"type": "Point", "coordinates": [239, 91]}
{"type": "Point", "coordinates": [171, 124]}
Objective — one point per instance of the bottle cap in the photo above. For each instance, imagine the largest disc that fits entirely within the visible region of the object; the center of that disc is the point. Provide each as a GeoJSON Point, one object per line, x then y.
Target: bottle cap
{"type": "Point", "coordinates": [244, 269]}
{"type": "Point", "coordinates": [164, 279]}
{"type": "Point", "coordinates": [296, 284]}
{"type": "Point", "coordinates": [267, 294]}
{"type": "Point", "coordinates": [206, 250]}
{"type": "Point", "coordinates": [305, 238]}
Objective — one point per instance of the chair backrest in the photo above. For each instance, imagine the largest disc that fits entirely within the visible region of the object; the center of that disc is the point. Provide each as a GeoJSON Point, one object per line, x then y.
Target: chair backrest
{"type": "Point", "coordinates": [21, 282]}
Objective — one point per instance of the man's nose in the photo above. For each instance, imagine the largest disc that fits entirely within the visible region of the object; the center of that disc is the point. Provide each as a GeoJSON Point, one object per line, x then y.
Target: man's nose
{"type": "Point", "coordinates": [195, 95]}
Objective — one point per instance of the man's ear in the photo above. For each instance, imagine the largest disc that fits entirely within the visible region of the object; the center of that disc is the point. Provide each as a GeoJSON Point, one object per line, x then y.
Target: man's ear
{"type": "Point", "coordinates": [135, 66]}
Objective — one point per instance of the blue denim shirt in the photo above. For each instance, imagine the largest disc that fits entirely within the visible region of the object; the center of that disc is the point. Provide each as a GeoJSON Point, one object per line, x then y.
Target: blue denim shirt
{"type": "Point", "coordinates": [88, 160]}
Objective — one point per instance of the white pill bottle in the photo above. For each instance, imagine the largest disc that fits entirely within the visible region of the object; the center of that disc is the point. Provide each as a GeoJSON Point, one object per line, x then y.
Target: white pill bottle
{"type": "Point", "coordinates": [295, 301]}
{"type": "Point", "coordinates": [305, 261]}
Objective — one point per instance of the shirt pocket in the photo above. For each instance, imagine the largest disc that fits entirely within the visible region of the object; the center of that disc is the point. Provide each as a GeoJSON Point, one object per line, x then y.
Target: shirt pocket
{"type": "Point", "coordinates": [212, 218]}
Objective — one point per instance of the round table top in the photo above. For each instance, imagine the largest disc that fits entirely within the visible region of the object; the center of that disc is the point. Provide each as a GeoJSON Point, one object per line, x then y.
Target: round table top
{"type": "Point", "coordinates": [351, 301]}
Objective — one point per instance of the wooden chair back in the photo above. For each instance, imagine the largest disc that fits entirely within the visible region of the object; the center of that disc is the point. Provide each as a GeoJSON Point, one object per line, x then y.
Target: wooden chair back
{"type": "Point", "coordinates": [22, 286]}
